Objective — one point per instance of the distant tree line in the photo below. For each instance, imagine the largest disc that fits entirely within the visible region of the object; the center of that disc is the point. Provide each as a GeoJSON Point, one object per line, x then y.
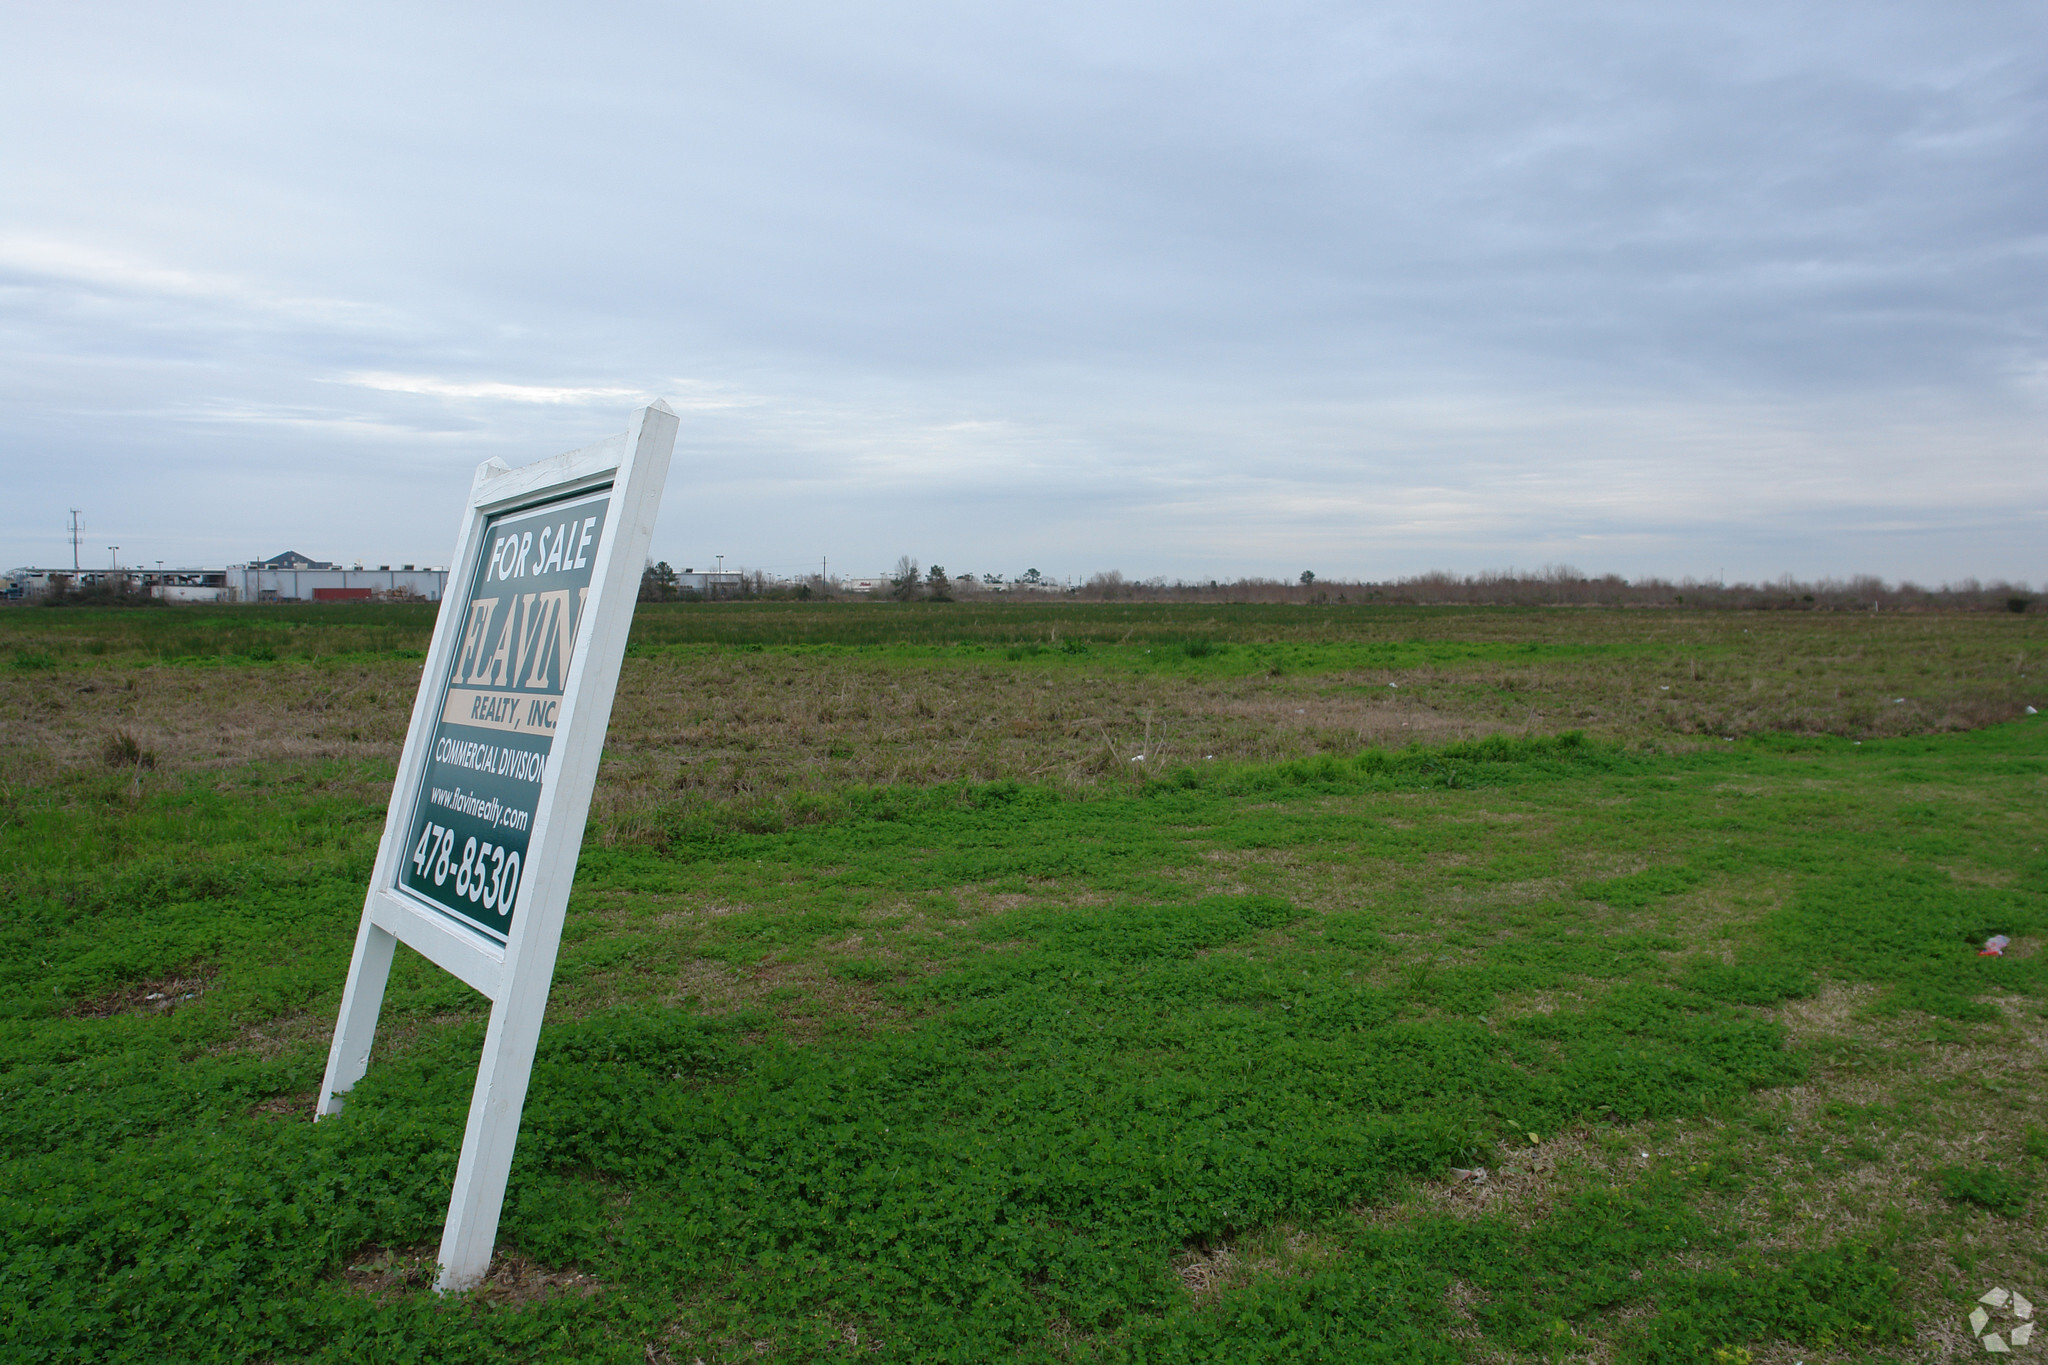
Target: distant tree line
{"type": "Point", "coordinates": [1555, 586]}
{"type": "Point", "coordinates": [116, 590]}
{"type": "Point", "coordinates": [1564, 586]}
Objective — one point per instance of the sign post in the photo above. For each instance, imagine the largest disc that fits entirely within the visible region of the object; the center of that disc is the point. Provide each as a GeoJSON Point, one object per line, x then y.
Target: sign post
{"type": "Point", "coordinates": [493, 788]}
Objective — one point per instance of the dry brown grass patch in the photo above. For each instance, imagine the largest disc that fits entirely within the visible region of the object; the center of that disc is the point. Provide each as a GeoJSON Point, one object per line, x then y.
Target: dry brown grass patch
{"type": "Point", "coordinates": [1834, 1175]}
{"type": "Point", "coordinates": [513, 1280]}
{"type": "Point", "coordinates": [295, 1107]}
{"type": "Point", "coordinates": [1522, 1182]}
{"type": "Point", "coordinates": [157, 995]}
{"type": "Point", "coordinates": [275, 1037]}
{"type": "Point", "coordinates": [807, 998]}
{"type": "Point", "coordinates": [1358, 721]}
{"type": "Point", "coordinates": [1207, 1270]}
{"type": "Point", "coordinates": [211, 718]}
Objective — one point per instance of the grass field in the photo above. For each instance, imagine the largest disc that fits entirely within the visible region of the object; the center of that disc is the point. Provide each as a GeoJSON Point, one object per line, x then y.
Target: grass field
{"type": "Point", "coordinates": [905, 1012]}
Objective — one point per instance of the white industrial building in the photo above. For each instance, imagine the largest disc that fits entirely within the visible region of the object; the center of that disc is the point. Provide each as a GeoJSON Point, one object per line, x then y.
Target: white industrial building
{"type": "Point", "coordinates": [710, 584]}
{"type": "Point", "coordinates": [289, 577]}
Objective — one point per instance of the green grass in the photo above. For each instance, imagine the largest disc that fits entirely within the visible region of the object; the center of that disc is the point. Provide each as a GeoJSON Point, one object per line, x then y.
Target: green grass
{"type": "Point", "coordinates": [93, 636]}
{"type": "Point", "coordinates": [1037, 1048]}
{"type": "Point", "coordinates": [1170, 1067]}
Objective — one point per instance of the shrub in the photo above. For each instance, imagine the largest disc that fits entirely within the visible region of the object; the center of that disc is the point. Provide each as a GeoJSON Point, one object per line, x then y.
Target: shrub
{"type": "Point", "coordinates": [123, 750]}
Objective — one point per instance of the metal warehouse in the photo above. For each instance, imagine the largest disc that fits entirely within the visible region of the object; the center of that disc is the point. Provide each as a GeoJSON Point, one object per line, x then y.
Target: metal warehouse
{"type": "Point", "coordinates": [287, 577]}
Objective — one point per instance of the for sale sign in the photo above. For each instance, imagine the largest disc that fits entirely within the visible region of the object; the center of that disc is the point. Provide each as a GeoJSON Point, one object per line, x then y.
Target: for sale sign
{"type": "Point", "coordinates": [494, 782]}
{"type": "Point", "coordinates": [487, 760]}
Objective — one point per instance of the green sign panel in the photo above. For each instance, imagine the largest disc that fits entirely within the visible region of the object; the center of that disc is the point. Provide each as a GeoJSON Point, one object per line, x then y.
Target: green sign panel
{"type": "Point", "coordinates": [494, 722]}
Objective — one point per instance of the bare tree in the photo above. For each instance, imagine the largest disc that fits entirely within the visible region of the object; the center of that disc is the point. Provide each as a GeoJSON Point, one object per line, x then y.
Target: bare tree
{"type": "Point", "coordinates": [1106, 585]}
{"type": "Point", "coordinates": [904, 584]}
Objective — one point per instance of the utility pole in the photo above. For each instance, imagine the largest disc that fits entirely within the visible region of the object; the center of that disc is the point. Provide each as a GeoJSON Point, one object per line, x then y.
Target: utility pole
{"type": "Point", "coordinates": [74, 539]}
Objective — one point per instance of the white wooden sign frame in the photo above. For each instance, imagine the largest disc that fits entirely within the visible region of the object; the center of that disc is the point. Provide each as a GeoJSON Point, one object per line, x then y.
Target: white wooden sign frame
{"type": "Point", "coordinates": [514, 973]}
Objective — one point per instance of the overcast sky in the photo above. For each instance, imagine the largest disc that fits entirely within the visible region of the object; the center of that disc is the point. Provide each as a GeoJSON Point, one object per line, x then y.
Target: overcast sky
{"type": "Point", "coordinates": [1187, 290]}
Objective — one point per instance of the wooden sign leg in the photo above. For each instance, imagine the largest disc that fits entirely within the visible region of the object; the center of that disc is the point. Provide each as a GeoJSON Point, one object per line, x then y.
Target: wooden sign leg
{"type": "Point", "coordinates": [487, 1144]}
{"type": "Point", "coordinates": [349, 1056]}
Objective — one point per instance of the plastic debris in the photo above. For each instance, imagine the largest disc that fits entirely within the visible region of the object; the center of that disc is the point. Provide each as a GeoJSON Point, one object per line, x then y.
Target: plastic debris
{"type": "Point", "coordinates": [1995, 1297]}
{"type": "Point", "coordinates": [1137, 758]}
{"type": "Point", "coordinates": [1995, 1344]}
{"type": "Point", "coordinates": [1994, 947]}
{"type": "Point", "coordinates": [2022, 1334]}
{"type": "Point", "coordinates": [1898, 701]}
{"type": "Point", "coordinates": [2031, 711]}
{"type": "Point", "coordinates": [1978, 1317]}
{"type": "Point", "coordinates": [2020, 1307]}
{"type": "Point", "coordinates": [1476, 1175]}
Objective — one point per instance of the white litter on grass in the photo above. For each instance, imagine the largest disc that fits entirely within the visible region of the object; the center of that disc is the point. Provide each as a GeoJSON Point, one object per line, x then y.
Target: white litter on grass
{"type": "Point", "coordinates": [1995, 1297]}
{"type": "Point", "coordinates": [1137, 758]}
{"type": "Point", "coordinates": [1995, 1344]}
{"type": "Point", "coordinates": [1664, 689]}
{"type": "Point", "coordinates": [2031, 711]}
{"type": "Point", "coordinates": [1475, 1175]}
{"type": "Point", "coordinates": [1978, 1317]}
{"type": "Point", "coordinates": [2022, 1334]}
{"type": "Point", "coordinates": [1898, 701]}
{"type": "Point", "coordinates": [2020, 1307]}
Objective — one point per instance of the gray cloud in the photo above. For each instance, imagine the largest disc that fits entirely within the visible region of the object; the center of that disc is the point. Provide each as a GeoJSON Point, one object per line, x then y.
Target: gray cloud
{"type": "Point", "coordinates": [1181, 290]}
